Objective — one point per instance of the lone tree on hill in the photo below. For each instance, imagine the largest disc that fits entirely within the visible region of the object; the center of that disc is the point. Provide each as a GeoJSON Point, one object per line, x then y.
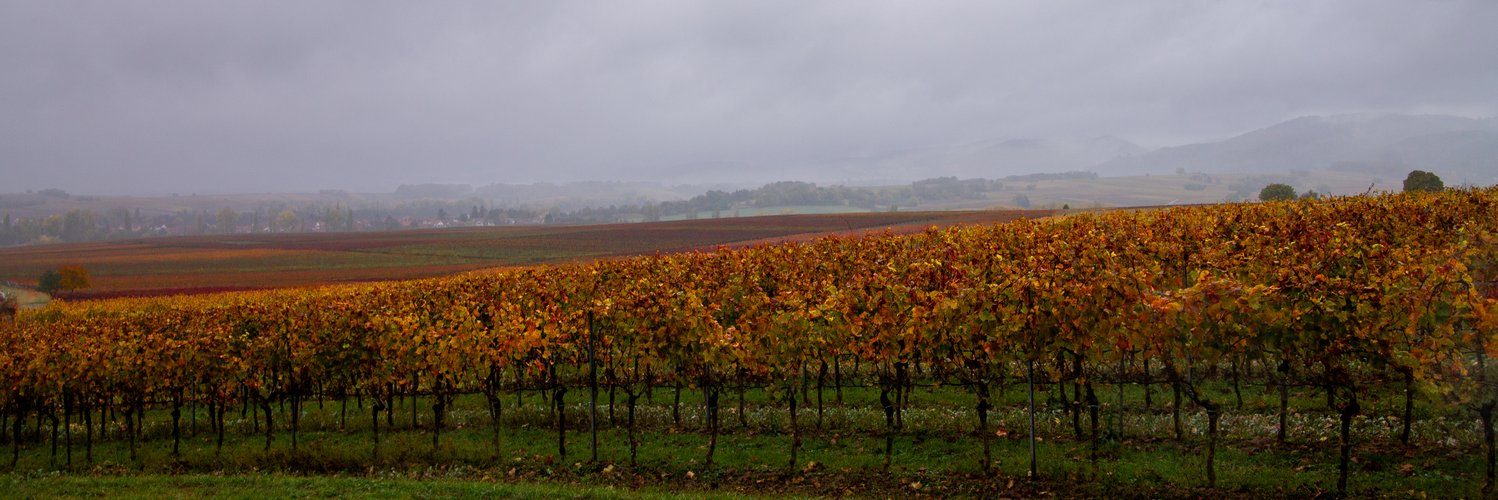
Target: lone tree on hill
{"type": "Point", "coordinates": [1277, 192]}
{"type": "Point", "coordinates": [1420, 180]}
{"type": "Point", "coordinates": [65, 279]}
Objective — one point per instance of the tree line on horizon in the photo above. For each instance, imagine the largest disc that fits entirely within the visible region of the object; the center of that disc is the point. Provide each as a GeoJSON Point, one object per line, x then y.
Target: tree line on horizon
{"type": "Point", "coordinates": [81, 225]}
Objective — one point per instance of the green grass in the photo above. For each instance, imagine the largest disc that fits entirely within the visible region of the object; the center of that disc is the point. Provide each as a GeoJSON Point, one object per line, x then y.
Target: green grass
{"type": "Point", "coordinates": [936, 451]}
{"type": "Point", "coordinates": [291, 486]}
{"type": "Point", "coordinates": [25, 297]}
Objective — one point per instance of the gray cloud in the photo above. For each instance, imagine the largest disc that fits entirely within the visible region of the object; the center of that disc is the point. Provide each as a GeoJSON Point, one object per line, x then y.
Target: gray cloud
{"type": "Point", "coordinates": [163, 96]}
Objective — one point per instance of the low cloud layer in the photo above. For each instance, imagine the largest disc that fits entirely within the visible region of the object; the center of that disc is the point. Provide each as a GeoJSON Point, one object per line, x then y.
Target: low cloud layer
{"type": "Point", "coordinates": [184, 96]}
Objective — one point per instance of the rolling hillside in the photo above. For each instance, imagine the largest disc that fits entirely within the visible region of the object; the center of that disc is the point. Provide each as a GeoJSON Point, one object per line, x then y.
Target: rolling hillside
{"type": "Point", "coordinates": [198, 264]}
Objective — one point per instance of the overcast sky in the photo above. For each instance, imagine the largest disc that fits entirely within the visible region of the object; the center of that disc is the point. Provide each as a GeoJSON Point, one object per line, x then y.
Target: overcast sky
{"type": "Point", "coordinates": [218, 96]}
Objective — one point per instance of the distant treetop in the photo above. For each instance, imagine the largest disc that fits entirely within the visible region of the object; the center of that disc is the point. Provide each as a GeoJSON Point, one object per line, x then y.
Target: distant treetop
{"type": "Point", "coordinates": [1277, 192]}
{"type": "Point", "coordinates": [1420, 180]}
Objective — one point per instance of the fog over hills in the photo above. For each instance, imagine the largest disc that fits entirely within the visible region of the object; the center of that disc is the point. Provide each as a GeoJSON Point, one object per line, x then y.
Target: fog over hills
{"type": "Point", "coordinates": [1338, 155]}
{"type": "Point", "coordinates": [1462, 150]}
{"type": "Point", "coordinates": [986, 159]}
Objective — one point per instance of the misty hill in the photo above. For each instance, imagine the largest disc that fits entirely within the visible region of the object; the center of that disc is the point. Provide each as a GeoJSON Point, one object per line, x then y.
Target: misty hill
{"type": "Point", "coordinates": [569, 195]}
{"type": "Point", "coordinates": [1461, 150]}
{"type": "Point", "coordinates": [989, 159]}
{"type": "Point", "coordinates": [586, 194]}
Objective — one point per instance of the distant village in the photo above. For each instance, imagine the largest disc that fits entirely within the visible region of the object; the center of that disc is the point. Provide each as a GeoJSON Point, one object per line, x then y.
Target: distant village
{"type": "Point", "coordinates": [85, 224]}
{"type": "Point", "coordinates": [55, 216]}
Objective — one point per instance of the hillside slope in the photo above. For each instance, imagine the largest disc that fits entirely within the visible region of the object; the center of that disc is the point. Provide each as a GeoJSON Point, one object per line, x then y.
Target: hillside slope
{"type": "Point", "coordinates": [198, 264]}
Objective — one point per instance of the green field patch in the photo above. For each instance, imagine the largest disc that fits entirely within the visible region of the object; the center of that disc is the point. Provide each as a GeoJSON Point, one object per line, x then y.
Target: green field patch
{"type": "Point", "coordinates": [295, 486]}
{"type": "Point", "coordinates": [26, 298]}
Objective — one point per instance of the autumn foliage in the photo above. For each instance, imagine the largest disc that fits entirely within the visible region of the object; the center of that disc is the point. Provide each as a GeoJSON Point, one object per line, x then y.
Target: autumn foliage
{"type": "Point", "coordinates": [1345, 293]}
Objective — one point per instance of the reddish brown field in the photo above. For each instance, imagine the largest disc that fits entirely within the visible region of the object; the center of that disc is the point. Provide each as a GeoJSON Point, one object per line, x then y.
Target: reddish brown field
{"type": "Point", "coordinates": [202, 264]}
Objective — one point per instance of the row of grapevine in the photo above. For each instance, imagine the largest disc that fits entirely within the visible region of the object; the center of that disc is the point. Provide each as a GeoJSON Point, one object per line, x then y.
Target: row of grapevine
{"type": "Point", "coordinates": [1344, 293]}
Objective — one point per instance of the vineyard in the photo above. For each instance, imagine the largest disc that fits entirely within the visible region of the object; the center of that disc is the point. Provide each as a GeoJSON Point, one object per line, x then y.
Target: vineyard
{"type": "Point", "coordinates": [1351, 307]}
{"type": "Point", "coordinates": [182, 265]}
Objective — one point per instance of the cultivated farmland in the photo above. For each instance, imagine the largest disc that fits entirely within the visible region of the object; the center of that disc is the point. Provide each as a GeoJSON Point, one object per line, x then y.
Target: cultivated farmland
{"type": "Point", "coordinates": [202, 264]}
{"type": "Point", "coordinates": [1303, 348]}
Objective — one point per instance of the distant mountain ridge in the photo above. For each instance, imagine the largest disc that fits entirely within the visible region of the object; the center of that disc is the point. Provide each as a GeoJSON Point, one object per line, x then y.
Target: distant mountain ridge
{"type": "Point", "coordinates": [1461, 150]}
{"type": "Point", "coordinates": [984, 159]}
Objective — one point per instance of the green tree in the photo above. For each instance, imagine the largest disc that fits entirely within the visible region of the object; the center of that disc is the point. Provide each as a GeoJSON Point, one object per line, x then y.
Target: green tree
{"type": "Point", "coordinates": [50, 281]}
{"type": "Point", "coordinates": [1277, 192]}
{"type": "Point", "coordinates": [227, 220]}
{"type": "Point", "coordinates": [64, 279]}
{"type": "Point", "coordinates": [335, 218]}
{"type": "Point", "coordinates": [287, 221]}
{"type": "Point", "coordinates": [1420, 180]}
{"type": "Point", "coordinates": [117, 219]}
{"type": "Point", "coordinates": [78, 225]}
